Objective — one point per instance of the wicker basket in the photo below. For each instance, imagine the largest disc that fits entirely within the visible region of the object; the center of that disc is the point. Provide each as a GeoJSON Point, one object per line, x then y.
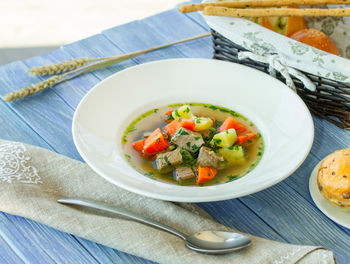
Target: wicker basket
{"type": "Point", "coordinates": [330, 101]}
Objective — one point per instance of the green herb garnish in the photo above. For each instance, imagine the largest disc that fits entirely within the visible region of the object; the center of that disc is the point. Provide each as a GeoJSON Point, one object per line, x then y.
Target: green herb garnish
{"type": "Point", "coordinates": [217, 123]}
{"type": "Point", "coordinates": [232, 178]}
{"type": "Point", "coordinates": [149, 174]}
{"type": "Point", "coordinates": [171, 147]}
{"type": "Point", "coordinates": [183, 132]}
{"type": "Point", "coordinates": [216, 141]}
{"type": "Point", "coordinates": [170, 117]}
{"type": "Point", "coordinates": [195, 148]}
{"type": "Point", "coordinates": [167, 160]}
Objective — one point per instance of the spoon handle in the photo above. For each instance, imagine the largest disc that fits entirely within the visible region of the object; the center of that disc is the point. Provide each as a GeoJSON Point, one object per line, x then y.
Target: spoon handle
{"type": "Point", "coordinates": [121, 212]}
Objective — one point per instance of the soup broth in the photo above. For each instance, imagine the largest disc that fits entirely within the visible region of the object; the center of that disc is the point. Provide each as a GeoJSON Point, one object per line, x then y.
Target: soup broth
{"type": "Point", "coordinates": [141, 127]}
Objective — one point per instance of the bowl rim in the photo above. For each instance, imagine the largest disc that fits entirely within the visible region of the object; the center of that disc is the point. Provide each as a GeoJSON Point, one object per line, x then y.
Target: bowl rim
{"type": "Point", "coordinates": [218, 197]}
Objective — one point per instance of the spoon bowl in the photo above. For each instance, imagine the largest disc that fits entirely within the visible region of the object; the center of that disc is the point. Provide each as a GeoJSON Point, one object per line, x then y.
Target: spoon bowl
{"type": "Point", "coordinates": [216, 242]}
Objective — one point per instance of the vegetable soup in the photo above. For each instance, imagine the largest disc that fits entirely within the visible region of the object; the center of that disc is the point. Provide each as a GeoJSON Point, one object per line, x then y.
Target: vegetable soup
{"type": "Point", "coordinates": [193, 144]}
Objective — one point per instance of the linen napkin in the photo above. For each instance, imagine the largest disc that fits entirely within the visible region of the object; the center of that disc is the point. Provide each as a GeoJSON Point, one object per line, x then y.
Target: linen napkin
{"type": "Point", "coordinates": [32, 179]}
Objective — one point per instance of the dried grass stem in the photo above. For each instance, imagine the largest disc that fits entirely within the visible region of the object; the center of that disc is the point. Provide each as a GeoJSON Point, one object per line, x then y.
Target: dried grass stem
{"type": "Point", "coordinates": [31, 90]}
{"type": "Point", "coordinates": [60, 67]}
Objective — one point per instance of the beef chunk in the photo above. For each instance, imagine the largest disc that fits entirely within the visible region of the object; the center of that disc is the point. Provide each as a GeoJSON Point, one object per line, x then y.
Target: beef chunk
{"type": "Point", "coordinates": [164, 161]}
{"type": "Point", "coordinates": [208, 158]}
{"type": "Point", "coordinates": [183, 173]}
{"type": "Point", "coordinates": [188, 140]}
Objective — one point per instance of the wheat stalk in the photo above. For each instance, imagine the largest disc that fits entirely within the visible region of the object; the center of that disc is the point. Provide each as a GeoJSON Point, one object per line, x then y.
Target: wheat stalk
{"type": "Point", "coordinates": [31, 90]}
{"type": "Point", "coordinates": [77, 67]}
{"type": "Point", "coordinates": [60, 67]}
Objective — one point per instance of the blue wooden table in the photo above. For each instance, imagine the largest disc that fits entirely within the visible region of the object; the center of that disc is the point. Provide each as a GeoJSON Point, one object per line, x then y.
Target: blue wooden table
{"type": "Point", "coordinates": [284, 212]}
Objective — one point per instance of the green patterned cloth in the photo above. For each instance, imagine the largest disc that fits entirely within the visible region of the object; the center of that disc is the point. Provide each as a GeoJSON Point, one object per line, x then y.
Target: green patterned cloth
{"type": "Point", "coordinates": [260, 40]}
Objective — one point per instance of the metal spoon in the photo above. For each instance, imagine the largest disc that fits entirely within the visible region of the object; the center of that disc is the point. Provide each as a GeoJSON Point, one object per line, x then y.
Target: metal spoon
{"type": "Point", "coordinates": [208, 242]}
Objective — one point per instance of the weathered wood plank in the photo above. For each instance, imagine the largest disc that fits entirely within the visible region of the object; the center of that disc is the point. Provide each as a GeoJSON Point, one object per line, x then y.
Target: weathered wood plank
{"type": "Point", "coordinates": [18, 242]}
{"type": "Point", "coordinates": [16, 129]}
{"type": "Point", "coordinates": [200, 48]}
{"type": "Point", "coordinates": [51, 242]}
{"type": "Point", "coordinates": [7, 254]}
{"type": "Point", "coordinates": [18, 230]}
{"type": "Point", "coordinates": [47, 114]}
{"type": "Point", "coordinates": [298, 220]}
{"type": "Point", "coordinates": [197, 18]}
{"type": "Point", "coordinates": [94, 47]}
{"type": "Point", "coordinates": [109, 255]}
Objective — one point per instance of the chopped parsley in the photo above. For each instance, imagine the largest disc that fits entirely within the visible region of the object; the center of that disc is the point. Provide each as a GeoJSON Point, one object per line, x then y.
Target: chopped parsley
{"type": "Point", "coordinates": [170, 117]}
{"type": "Point", "coordinates": [196, 138]}
{"type": "Point", "coordinates": [198, 121]}
{"type": "Point", "coordinates": [183, 132]}
{"type": "Point", "coordinates": [216, 141]}
{"type": "Point", "coordinates": [232, 178]}
{"type": "Point", "coordinates": [177, 113]}
{"type": "Point", "coordinates": [167, 160]}
{"type": "Point", "coordinates": [188, 144]}
{"type": "Point", "coordinates": [217, 123]}
{"type": "Point", "coordinates": [149, 174]}
{"type": "Point", "coordinates": [186, 156]}
{"type": "Point", "coordinates": [195, 148]}
{"type": "Point", "coordinates": [171, 147]}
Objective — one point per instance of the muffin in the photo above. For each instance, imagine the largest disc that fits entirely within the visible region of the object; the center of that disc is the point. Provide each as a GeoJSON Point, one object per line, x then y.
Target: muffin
{"type": "Point", "coordinates": [333, 178]}
{"type": "Point", "coordinates": [317, 39]}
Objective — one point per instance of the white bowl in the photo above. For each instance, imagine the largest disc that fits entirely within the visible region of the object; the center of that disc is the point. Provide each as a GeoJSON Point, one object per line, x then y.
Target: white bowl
{"type": "Point", "coordinates": [104, 113]}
